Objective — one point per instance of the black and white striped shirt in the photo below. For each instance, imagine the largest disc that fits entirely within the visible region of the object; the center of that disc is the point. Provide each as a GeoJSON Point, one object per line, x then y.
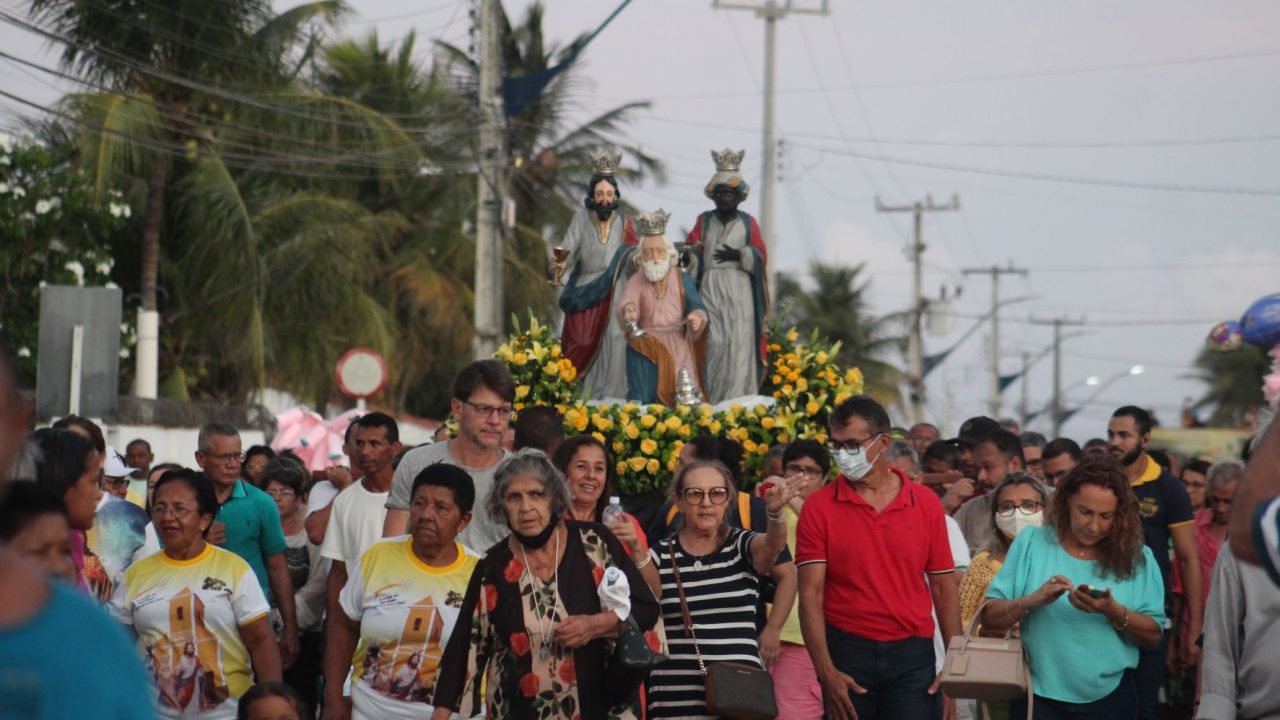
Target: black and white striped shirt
{"type": "Point", "coordinates": [722, 598]}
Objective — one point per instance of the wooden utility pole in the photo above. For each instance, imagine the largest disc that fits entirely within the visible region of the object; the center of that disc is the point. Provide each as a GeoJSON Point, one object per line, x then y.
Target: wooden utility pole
{"type": "Point", "coordinates": [915, 338]}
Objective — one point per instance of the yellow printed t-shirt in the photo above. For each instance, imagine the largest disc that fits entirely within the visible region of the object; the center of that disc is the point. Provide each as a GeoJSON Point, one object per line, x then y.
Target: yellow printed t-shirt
{"type": "Point", "coordinates": [187, 614]}
{"type": "Point", "coordinates": [791, 628]}
{"type": "Point", "coordinates": [406, 610]}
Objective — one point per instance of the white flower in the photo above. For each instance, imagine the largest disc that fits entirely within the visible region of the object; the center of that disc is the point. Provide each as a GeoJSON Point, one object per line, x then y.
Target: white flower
{"type": "Point", "coordinates": [76, 269]}
{"type": "Point", "coordinates": [19, 192]}
{"type": "Point", "coordinates": [44, 206]}
{"type": "Point", "coordinates": [27, 216]}
{"type": "Point", "coordinates": [124, 328]}
{"type": "Point", "coordinates": [124, 353]}
{"type": "Point", "coordinates": [24, 352]}
{"type": "Point", "coordinates": [57, 245]}
{"type": "Point", "coordinates": [103, 268]}
{"type": "Point", "coordinates": [4, 188]}
{"type": "Point", "coordinates": [43, 283]}
{"type": "Point", "coordinates": [6, 142]}
{"type": "Point", "coordinates": [120, 210]}
{"type": "Point", "coordinates": [110, 285]}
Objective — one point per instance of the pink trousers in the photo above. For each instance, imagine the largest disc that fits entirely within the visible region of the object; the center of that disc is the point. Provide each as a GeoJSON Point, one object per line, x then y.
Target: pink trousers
{"type": "Point", "coordinates": [795, 684]}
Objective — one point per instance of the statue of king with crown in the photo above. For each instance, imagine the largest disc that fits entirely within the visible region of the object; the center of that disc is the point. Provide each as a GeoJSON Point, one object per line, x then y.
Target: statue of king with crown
{"type": "Point", "coordinates": [664, 317]}
{"type": "Point", "coordinates": [597, 250]}
{"type": "Point", "coordinates": [731, 279]}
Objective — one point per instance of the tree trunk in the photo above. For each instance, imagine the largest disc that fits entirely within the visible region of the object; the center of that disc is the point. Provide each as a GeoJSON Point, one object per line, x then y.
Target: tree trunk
{"type": "Point", "coordinates": [157, 185]}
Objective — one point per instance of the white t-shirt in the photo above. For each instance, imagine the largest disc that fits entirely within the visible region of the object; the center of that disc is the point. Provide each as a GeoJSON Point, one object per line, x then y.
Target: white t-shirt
{"type": "Point", "coordinates": [322, 493]}
{"type": "Point", "coordinates": [407, 611]}
{"type": "Point", "coordinates": [960, 554]}
{"type": "Point", "coordinates": [355, 523]}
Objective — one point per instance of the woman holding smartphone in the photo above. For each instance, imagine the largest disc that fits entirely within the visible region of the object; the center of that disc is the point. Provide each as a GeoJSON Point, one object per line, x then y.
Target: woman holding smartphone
{"type": "Point", "coordinates": [1087, 593]}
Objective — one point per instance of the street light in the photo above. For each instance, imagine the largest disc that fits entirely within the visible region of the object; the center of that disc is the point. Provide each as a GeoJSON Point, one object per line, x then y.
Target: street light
{"type": "Point", "coordinates": [1102, 385]}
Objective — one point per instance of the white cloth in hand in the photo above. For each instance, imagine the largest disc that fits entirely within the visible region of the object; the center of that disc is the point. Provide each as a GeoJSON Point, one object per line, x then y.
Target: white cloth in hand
{"type": "Point", "coordinates": [615, 593]}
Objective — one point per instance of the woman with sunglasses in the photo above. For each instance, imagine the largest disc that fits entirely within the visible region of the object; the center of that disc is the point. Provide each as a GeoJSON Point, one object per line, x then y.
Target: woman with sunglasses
{"type": "Point", "coordinates": [718, 569]}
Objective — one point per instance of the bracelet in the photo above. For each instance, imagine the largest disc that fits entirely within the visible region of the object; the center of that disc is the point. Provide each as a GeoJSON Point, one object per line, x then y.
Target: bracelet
{"type": "Point", "coordinates": [1008, 610]}
{"type": "Point", "coordinates": [647, 559]}
{"type": "Point", "coordinates": [1121, 627]}
{"type": "Point", "coordinates": [775, 518]}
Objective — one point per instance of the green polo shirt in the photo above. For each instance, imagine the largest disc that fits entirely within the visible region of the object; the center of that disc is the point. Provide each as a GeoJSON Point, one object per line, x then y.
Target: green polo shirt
{"type": "Point", "coordinates": [253, 528]}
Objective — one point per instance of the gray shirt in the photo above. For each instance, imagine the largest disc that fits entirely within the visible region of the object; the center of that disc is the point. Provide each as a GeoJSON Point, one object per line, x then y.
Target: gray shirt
{"type": "Point", "coordinates": [1241, 643]}
{"type": "Point", "coordinates": [482, 533]}
{"type": "Point", "coordinates": [974, 518]}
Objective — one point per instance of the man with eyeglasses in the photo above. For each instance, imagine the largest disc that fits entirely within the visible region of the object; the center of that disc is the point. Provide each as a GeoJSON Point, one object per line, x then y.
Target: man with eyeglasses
{"type": "Point", "coordinates": [875, 563]}
{"type": "Point", "coordinates": [482, 396]}
{"type": "Point", "coordinates": [248, 524]}
{"type": "Point", "coordinates": [996, 455]}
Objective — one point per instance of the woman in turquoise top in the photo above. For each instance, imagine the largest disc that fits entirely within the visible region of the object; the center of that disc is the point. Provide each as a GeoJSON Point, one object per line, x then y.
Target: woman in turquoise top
{"type": "Point", "coordinates": [1082, 645]}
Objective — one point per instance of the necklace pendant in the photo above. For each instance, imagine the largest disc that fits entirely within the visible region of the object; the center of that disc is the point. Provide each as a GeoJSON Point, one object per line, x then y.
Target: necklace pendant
{"type": "Point", "coordinates": [545, 651]}
{"type": "Point", "coordinates": [697, 564]}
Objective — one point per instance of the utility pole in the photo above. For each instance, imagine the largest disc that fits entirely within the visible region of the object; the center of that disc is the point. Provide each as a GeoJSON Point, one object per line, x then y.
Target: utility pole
{"type": "Point", "coordinates": [1022, 402]}
{"type": "Point", "coordinates": [993, 405]}
{"type": "Point", "coordinates": [771, 11]}
{"type": "Point", "coordinates": [915, 338]}
{"type": "Point", "coordinates": [491, 170]}
{"type": "Point", "coordinates": [1056, 405]}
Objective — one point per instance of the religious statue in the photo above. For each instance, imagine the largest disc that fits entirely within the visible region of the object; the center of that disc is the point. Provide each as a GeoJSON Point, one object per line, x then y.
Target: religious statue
{"type": "Point", "coordinates": [665, 319]}
{"type": "Point", "coordinates": [598, 247]}
{"type": "Point", "coordinates": [731, 280]}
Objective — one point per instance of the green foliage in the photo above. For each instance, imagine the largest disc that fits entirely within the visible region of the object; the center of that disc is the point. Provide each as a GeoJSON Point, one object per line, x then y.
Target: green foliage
{"type": "Point", "coordinates": [837, 308]}
{"type": "Point", "coordinates": [52, 231]}
{"type": "Point", "coordinates": [1235, 384]}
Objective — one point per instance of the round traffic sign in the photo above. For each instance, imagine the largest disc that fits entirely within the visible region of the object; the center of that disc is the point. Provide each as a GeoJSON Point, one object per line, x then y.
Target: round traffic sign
{"type": "Point", "coordinates": [361, 373]}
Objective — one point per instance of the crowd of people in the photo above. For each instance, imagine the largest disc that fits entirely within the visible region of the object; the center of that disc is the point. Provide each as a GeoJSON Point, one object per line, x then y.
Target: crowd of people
{"type": "Point", "coordinates": [491, 575]}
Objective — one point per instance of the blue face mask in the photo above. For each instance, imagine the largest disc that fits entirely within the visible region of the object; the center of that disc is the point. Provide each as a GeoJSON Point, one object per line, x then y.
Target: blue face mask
{"type": "Point", "coordinates": [853, 464]}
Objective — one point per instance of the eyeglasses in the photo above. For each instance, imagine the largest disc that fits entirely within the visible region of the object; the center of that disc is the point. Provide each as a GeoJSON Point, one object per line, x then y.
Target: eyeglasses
{"type": "Point", "coordinates": [802, 470]}
{"type": "Point", "coordinates": [178, 511]}
{"type": "Point", "coordinates": [117, 482]}
{"type": "Point", "coordinates": [283, 492]}
{"type": "Point", "coordinates": [226, 458]}
{"type": "Point", "coordinates": [717, 496]}
{"type": "Point", "coordinates": [503, 412]}
{"type": "Point", "coordinates": [1026, 507]}
{"type": "Point", "coordinates": [837, 445]}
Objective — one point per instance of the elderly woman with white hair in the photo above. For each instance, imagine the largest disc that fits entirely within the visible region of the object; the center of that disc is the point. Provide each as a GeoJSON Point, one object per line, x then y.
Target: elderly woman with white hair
{"type": "Point", "coordinates": [664, 304]}
{"type": "Point", "coordinates": [539, 639]}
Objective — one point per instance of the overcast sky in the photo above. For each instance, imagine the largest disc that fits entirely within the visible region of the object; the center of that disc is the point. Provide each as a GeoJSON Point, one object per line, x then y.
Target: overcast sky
{"type": "Point", "coordinates": [1125, 154]}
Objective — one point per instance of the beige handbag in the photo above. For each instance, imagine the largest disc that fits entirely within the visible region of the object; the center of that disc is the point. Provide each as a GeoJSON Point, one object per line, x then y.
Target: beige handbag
{"type": "Point", "coordinates": [985, 668]}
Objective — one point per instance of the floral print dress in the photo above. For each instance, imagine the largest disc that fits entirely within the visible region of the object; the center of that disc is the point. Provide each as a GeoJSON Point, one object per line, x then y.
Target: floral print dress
{"type": "Point", "coordinates": [509, 613]}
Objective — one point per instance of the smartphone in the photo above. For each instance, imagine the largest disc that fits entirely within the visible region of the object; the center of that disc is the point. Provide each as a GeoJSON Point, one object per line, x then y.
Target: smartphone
{"type": "Point", "coordinates": [1095, 593]}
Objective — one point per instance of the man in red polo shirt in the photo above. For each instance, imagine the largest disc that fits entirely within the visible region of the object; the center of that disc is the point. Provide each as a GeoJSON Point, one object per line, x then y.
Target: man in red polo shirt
{"type": "Point", "coordinates": [865, 545]}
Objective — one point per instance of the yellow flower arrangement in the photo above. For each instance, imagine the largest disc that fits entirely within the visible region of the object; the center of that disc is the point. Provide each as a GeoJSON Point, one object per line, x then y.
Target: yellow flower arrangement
{"type": "Point", "coordinates": [646, 440]}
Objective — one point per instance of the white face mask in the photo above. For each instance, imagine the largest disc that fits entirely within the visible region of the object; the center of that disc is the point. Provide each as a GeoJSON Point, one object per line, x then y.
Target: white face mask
{"type": "Point", "coordinates": [853, 464]}
{"type": "Point", "coordinates": [1014, 524]}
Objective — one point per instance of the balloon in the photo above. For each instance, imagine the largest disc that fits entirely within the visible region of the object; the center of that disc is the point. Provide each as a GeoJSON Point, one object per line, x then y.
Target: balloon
{"type": "Point", "coordinates": [1225, 337]}
{"type": "Point", "coordinates": [1261, 322]}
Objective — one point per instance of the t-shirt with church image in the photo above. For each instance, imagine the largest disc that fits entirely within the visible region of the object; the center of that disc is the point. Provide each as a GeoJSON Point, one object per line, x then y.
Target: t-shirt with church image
{"type": "Point", "coordinates": [406, 610]}
{"type": "Point", "coordinates": [187, 615]}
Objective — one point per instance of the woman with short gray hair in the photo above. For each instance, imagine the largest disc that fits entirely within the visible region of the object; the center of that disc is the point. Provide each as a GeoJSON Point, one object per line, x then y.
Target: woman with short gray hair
{"type": "Point", "coordinates": [538, 636]}
{"type": "Point", "coordinates": [1020, 502]}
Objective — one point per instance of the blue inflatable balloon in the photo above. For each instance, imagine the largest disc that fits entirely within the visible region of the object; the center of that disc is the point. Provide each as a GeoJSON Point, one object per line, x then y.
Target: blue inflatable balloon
{"type": "Point", "coordinates": [1261, 322]}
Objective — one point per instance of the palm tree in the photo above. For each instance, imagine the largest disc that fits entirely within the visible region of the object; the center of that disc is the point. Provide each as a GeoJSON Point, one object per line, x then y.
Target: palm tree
{"type": "Point", "coordinates": [550, 168]}
{"type": "Point", "coordinates": [1235, 383]}
{"type": "Point", "coordinates": [837, 308]}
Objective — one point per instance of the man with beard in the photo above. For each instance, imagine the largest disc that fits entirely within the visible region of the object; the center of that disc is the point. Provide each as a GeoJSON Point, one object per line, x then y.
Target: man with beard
{"type": "Point", "coordinates": [1166, 513]}
{"type": "Point", "coordinates": [661, 301]}
{"type": "Point", "coordinates": [600, 243]}
{"type": "Point", "coordinates": [731, 279]}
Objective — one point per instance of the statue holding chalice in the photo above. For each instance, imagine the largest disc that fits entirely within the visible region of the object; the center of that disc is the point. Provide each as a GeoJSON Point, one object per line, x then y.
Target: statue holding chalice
{"type": "Point", "coordinates": [596, 252]}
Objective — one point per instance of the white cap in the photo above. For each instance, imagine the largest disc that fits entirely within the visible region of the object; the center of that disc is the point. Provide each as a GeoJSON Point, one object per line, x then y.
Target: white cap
{"type": "Point", "coordinates": [114, 467]}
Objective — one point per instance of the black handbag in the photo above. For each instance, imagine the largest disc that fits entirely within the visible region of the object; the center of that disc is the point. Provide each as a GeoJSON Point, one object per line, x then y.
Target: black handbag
{"type": "Point", "coordinates": [632, 651]}
{"type": "Point", "coordinates": [733, 690]}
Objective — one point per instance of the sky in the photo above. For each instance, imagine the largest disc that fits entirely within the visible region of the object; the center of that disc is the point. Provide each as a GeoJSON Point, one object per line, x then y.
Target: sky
{"type": "Point", "coordinates": [1124, 154]}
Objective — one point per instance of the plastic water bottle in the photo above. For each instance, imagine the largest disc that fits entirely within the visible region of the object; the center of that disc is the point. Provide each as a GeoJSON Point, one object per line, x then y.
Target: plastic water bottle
{"type": "Point", "coordinates": [613, 511]}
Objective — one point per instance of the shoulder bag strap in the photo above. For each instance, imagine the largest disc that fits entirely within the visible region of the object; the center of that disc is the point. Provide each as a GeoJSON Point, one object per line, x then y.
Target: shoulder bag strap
{"type": "Point", "coordinates": [684, 604]}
